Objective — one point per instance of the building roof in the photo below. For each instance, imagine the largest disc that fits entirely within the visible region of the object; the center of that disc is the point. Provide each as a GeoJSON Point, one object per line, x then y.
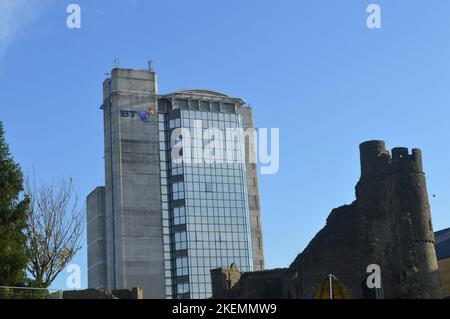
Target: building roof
{"type": "Point", "coordinates": [200, 92]}
{"type": "Point", "coordinates": [204, 94]}
{"type": "Point", "coordinates": [442, 244]}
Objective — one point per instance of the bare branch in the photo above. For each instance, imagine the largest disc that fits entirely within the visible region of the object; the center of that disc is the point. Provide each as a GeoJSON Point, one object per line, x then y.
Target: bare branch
{"type": "Point", "coordinates": [55, 228]}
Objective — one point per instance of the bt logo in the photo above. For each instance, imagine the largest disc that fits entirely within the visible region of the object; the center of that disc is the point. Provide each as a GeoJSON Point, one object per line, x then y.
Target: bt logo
{"type": "Point", "coordinates": [144, 115]}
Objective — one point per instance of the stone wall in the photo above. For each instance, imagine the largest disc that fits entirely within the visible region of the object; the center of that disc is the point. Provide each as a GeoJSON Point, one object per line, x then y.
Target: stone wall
{"type": "Point", "coordinates": [389, 224]}
{"type": "Point", "coordinates": [134, 293]}
{"type": "Point", "coordinates": [444, 270]}
{"type": "Point", "coordinates": [230, 283]}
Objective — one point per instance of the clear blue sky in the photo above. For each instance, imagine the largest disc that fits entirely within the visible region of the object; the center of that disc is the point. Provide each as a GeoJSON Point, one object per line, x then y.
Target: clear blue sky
{"type": "Point", "coordinates": [311, 68]}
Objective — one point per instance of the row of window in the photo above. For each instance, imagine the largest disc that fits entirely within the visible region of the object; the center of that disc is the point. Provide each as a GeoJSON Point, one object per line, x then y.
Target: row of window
{"type": "Point", "coordinates": [199, 123]}
{"type": "Point", "coordinates": [180, 272]}
{"type": "Point", "coordinates": [210, 116]}
{"type": "Point", "coordinates": [200, 105]}
{"type": "Point", "coordinates": [210, 158]}
{"type": "Point", "coordinates": [178, 195]}
{"type": "Point", "coordinates": [176, 171]}
{"type": "Point", "coordinates": [217, 237]}
{"type": "Point", "coordinates": [178, 187]}
{"type": "Point", "coordinates": [238, 251]}
{"type": "Point", "coordinates": [208, 150]}
{"type": "Point", "coordinates": [200, 279]}
{"type": "Point", "coordinates": [182, 288]}
{"type": "Point", "coordinates": [228, 244]}
{"type": "Point", "coordinates": [198, 249]}
{"type": "Point", "coordinates": [216, 183]}
{"type": "Point", "coordinates": [211, 139]}
{"type": "Point", "coordinates": [229, 192]}
{"type": "Point", "coordinates": [180, 240]}
{"type": "Point", "coordinates": [219, 218]}
{"type": "Point", "coordinates": [214, 170]}
{"type": "Point", "coordinates": [181, 266]}
{"type": "Point", "coordinates": [209, 197]}
{"type": "Point", "coordinates": [209, 187]}
{"type": "Point", "coordinates": [207, 222]}
{"type": "Point", "coordinates": [233, 198]}
{"type": "Point", "coordinates": [228, 223]}
{"type": "Point", "coordinates": [220, 203]}
{"type": "Point", "coordinates": [179, 220]}
{"type": "Point", "coordinates": [179, 211]}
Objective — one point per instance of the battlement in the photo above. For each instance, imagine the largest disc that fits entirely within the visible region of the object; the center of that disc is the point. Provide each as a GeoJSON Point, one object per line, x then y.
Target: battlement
{"type": "Point", "coordinates": [389, 224]}
{"type": "Point", "coordinates": [377, 161]}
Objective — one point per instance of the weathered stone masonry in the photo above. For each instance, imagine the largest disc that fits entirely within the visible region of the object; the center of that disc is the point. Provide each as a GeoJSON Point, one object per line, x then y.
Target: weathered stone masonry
{"type": "Point", "coordinates": [388, 224]}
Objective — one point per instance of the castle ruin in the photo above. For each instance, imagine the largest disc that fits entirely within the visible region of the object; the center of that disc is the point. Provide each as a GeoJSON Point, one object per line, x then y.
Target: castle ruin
{"type": "Point", "coordinates": [389, 224]}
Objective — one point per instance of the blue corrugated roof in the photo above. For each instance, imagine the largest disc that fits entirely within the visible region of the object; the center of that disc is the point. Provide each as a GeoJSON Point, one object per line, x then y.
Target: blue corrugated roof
{"type": "Point", "coordinates": [443, 244]}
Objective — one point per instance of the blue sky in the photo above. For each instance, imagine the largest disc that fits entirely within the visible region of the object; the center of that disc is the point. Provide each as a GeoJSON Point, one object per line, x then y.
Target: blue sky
{"type": "Point", "coordinates": [311, 68]}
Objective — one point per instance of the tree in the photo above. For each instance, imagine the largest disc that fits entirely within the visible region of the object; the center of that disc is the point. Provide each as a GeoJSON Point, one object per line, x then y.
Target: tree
{"type": "Point", "coordinates": [13, 219]}
{"type": "Point", "coordinates": [54, 230]}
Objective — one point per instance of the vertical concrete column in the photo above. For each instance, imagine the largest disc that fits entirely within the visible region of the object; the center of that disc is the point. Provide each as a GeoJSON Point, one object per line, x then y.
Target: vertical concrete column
{"type": "Point", "coordinates": [253, 195]}
{"type": "Point", "coordinates": [134, 218]}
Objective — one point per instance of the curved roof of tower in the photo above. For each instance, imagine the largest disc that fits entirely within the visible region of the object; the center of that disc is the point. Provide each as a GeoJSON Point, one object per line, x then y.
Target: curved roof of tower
{"type": "Point", "coordinates": [205, 93]}
{"type": "Point", "coordinates": [199, 92]}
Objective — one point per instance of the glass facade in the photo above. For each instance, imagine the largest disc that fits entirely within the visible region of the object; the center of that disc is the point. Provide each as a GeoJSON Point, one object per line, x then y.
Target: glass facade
{"type": "Point", "coordinates": [205, 204]}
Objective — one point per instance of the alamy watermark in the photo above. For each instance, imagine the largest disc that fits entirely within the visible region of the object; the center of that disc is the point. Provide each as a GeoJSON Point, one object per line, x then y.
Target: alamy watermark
{"type": "Point", "coordinates": [374, 19]}
{"type": "Point", "coordinates": [74, 19]}
{"type": "Point", "coordinates": [374, 276]}
{"type": "Point", "coordinates": [231, 145]}
{"type": "Point", "coordinates": [73, 280]}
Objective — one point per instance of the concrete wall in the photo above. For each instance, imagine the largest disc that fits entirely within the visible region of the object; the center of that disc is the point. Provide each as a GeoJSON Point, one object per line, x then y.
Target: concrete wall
{"type": "Point", "coordinates": [253, 193]}
{"type": "Point", "coordinates": [111, 161]}
{"type": "Point", "coordinates": [96, 239]}
{"type": "Point", "coordinates": [133, 199]}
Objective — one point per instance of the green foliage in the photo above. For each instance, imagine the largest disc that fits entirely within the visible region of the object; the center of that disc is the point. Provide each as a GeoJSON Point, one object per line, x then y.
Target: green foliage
{"type": "Point", "coordinates": [15, 293]}
{"type": "Point", "coordinates": [13, 219]}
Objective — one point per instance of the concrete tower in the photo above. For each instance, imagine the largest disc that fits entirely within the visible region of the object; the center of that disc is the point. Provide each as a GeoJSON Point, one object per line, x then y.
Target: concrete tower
{"type": "Point", "coordinates": [159, 225]}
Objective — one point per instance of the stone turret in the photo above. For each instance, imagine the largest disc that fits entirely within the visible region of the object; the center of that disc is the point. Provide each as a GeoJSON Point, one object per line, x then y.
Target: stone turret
{"type": "Point", "coordinates": [394, 186]}
{"type": "Point", "coordinates": [389, 224]}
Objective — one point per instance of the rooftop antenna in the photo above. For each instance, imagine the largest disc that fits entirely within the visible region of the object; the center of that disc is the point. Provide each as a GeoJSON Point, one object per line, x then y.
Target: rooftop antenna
{"type": "Point", "coordinates": [150, 66]}
{"type": "Point", "coordinates": [116, 62]}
